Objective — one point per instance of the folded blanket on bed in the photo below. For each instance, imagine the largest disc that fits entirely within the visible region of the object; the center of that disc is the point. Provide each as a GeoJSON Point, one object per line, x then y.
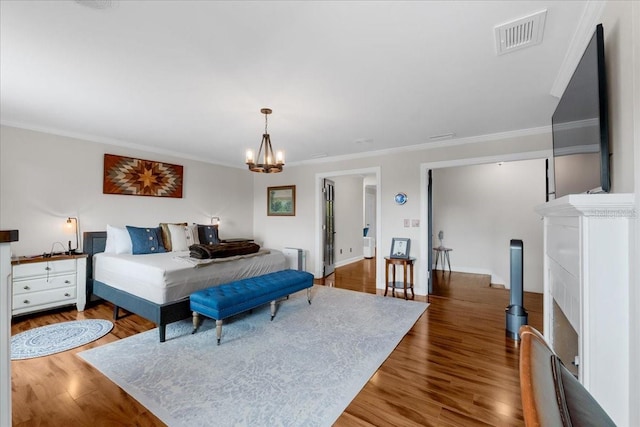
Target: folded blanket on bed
{"type": "Point", "coordinates": [223, 250]}
{"type": "Point", "coordinates": [204, 262]}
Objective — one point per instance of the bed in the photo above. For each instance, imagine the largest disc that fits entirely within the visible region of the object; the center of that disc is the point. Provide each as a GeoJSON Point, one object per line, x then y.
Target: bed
{"type": "Point", "coordinates": [157, 286]}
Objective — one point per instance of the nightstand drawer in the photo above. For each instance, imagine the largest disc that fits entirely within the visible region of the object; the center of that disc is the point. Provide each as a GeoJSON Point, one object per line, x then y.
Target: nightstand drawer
{"type": "Point", "coordinates": [33, 300]}
{"type": "Point", "coordinates": [40, 283]}
{"type": "Point", "coordinates": [44, 268]}
{"type": "Point", "coordinates": [37, 285]}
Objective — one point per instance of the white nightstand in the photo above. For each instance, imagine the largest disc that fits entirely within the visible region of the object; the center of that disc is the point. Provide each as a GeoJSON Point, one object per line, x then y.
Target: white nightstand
{"type": "Point", "coordinates": [40, 283]}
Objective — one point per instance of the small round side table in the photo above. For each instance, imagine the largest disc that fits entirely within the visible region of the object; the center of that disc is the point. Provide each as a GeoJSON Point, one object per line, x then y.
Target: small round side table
{"type": "Point", "coordinates": [407, 282]}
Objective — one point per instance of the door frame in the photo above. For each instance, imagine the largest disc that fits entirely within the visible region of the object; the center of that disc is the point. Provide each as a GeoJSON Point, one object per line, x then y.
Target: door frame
{"type": "Point", "coordinates": [319, 177]}
{"type": "Point", "coordinates": [423, 273]}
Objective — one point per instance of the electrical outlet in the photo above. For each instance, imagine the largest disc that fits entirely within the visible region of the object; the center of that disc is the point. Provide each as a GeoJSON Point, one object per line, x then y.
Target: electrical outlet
{"type": "Point", "coordinates": [340, 251]}
{"type": "Point", "coordinates": [415, 223]}
{"type": "Point", "coordinates": [407, 223]}
{"type": "Point", "coordinates": [350, 249]}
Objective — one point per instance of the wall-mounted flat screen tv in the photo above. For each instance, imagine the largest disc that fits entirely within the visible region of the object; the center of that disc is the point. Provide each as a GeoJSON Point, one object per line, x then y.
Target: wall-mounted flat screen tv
{"type": "Point", "coordinates": [580, 127]}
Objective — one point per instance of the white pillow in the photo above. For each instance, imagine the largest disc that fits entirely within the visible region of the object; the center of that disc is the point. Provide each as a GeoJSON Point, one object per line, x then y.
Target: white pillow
{"type": "Point", "coordinates": [178, 237]}
{"type": "Point", "coordinates": [192, 234]}
{"type": "Point", "coordinates": [110, 246]}
{"type": "Point", "coordinates": [118, 241]}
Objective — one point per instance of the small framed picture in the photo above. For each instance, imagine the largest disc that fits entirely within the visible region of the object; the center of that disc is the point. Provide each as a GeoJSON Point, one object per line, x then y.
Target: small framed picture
{"type": "Point", "coordinates": [400, 247]}
{"type": "Point", "coordinates": [281, 201]}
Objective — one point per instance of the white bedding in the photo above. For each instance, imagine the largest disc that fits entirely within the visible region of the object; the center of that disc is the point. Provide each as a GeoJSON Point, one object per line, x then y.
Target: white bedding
{"type": "Point", "coordinates": [167, 277]}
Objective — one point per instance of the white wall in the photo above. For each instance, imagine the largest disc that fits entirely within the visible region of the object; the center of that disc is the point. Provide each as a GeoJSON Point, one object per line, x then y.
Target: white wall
{"type": "Point", "coordinates": [399, 172]}
{"type": "Point", "coordinates": [45, 178]}
{"type": "Point", "coordinates": [634, 298]}
{"type": "Point", "coordinates": [618, 48]}
{"type": "Point", "coordinates": [481, 208]}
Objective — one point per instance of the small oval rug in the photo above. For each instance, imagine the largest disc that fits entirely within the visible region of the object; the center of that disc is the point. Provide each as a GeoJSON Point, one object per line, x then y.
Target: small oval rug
{"type": "Point", "coordinates": [56, 338]}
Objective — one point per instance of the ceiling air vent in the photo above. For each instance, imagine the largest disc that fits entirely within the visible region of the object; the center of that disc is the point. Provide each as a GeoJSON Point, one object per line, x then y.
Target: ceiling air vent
{"type": "Point", "coordinates": [521, 33]}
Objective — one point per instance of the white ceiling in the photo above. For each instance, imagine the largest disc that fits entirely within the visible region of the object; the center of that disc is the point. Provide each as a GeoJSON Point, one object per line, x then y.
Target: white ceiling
{"type": "Point", "coordinates": [342, 78]}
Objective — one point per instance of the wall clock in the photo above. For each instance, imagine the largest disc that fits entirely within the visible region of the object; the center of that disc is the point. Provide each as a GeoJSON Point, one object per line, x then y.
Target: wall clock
{"type": "Point", "coordinates": [400, 198]}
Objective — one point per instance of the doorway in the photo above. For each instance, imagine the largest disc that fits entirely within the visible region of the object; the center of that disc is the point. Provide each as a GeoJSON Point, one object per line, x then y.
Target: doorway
{"type": "Point", "coordinates": [374, 174]}
{"type": "Point", "coordinates": [498, 209]}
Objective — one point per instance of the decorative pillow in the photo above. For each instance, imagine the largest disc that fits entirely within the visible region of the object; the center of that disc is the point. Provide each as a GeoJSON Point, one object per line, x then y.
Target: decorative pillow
{"type": "Point", "coordinates": [110, 245]}
{"type": "Point", "coordinates": [178, 237]}
{"type": "Point", "coordinates": [208, 234]}
{"type": "Point", "coordinates": [145, 240]}
{"type": "Point", "coordinates": [191, 232]}
{"type": "Point", "coordinates": [166, 235]}
{"type": "Point", "coordinates": [118, 241]}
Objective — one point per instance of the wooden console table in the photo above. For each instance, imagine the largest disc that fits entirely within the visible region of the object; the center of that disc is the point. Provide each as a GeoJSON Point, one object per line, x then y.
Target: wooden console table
{"type": "Point", "coordinates": [407, 280]}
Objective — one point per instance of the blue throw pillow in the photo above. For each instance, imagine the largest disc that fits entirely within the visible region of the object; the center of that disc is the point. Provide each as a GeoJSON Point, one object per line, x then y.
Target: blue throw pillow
{"type": "Point", "coordinates": [146, 240]}
{"type": "Point", "coordinates": [208, 234]}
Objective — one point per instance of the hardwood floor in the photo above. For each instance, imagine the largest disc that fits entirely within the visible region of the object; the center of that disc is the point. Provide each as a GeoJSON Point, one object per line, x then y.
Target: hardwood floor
{"type": "Point", "coordinates": [455, 367]}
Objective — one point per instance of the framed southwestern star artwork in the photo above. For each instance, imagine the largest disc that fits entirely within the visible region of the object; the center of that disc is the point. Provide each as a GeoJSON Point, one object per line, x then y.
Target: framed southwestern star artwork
{"type": "Point", "coordinates": [138, 177]}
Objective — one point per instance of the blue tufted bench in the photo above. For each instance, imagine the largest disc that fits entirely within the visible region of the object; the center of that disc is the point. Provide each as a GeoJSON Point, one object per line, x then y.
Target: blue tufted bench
{"type": "Point", "coordinates": [229, 299]}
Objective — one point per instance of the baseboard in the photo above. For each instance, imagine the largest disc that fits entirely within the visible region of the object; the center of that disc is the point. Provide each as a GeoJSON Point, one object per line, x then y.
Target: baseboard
{"type": "Point", "coordinates": [495, 279]}
{"type": "Point", "coordinates": [348, 261]}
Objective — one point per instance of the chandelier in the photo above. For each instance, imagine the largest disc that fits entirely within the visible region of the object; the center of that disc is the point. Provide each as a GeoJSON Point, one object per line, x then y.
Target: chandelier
{"type": "Point", "coordinates": [265, 162]}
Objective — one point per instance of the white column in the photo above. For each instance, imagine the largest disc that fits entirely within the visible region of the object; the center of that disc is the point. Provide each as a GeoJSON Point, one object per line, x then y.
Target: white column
{"type": "Point", "coordinates": [5, 334]}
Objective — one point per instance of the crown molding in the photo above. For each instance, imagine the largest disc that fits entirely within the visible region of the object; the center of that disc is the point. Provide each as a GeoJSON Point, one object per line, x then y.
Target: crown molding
{"type": "Point", "coordinates": [590, 18]}
{"type": "Point", "coordinates": [430, 145]}
{"type": "Point", "coordinates": [411, 148]}
{"type": "Point", "coordinates": [611, 205]}
{"type": "Point", "coordinates": [108, 141]}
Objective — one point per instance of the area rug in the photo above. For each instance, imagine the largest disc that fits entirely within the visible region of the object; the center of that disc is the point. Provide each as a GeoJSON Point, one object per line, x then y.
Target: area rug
{"type": "Point", "coordinates": [302, 368]}
{"type": "Point", "coordinates": [56, 338]}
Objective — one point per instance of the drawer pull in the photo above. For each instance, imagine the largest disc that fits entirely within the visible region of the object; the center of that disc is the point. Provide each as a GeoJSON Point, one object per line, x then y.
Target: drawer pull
{"type": "Point", "coordinates": [26, 288]}
{"type": "Point", "coordinates": [67, 294]}
{"type": "Point", "coordinates": [67, 282]}
{"type": "Point", "coordinates": [26, 301]}
{"type": "Point", "coordinates": [47, 268]}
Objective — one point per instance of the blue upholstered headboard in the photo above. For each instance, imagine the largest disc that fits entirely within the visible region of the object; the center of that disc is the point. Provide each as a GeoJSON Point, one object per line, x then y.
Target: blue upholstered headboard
{"type": "Point", "coordinates": [93, 242]}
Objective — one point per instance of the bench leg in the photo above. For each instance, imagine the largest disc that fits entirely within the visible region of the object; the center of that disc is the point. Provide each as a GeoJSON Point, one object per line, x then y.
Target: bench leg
{"type": "Point", "coordinates": [218, 330]}
{"type": "Point", "coordinates": [273, 309]}
{"type": "Point", "coordinates": [309, 295]}
{"type": "Point", "coordinates": [196, 322]}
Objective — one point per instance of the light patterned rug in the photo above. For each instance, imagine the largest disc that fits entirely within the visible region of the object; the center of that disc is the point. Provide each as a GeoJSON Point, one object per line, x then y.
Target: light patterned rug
{"type": "Point", "coordinates": [301, 369]}
{"type": "Point", "coordinates": [57, 337]}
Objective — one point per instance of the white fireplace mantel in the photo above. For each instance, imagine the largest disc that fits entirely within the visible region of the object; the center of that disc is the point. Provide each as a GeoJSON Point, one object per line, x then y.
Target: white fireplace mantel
{"type": "Point", "coordinates": [6, 237]}
{"type": "Point", "coordinates": [591, 205]}
{"type": "Point", "coordinates": [587, 273]}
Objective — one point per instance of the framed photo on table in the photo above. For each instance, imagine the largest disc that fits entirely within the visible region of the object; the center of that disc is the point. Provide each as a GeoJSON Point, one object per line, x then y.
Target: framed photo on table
{"type": "Point", "coordinates": [400, 248]}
